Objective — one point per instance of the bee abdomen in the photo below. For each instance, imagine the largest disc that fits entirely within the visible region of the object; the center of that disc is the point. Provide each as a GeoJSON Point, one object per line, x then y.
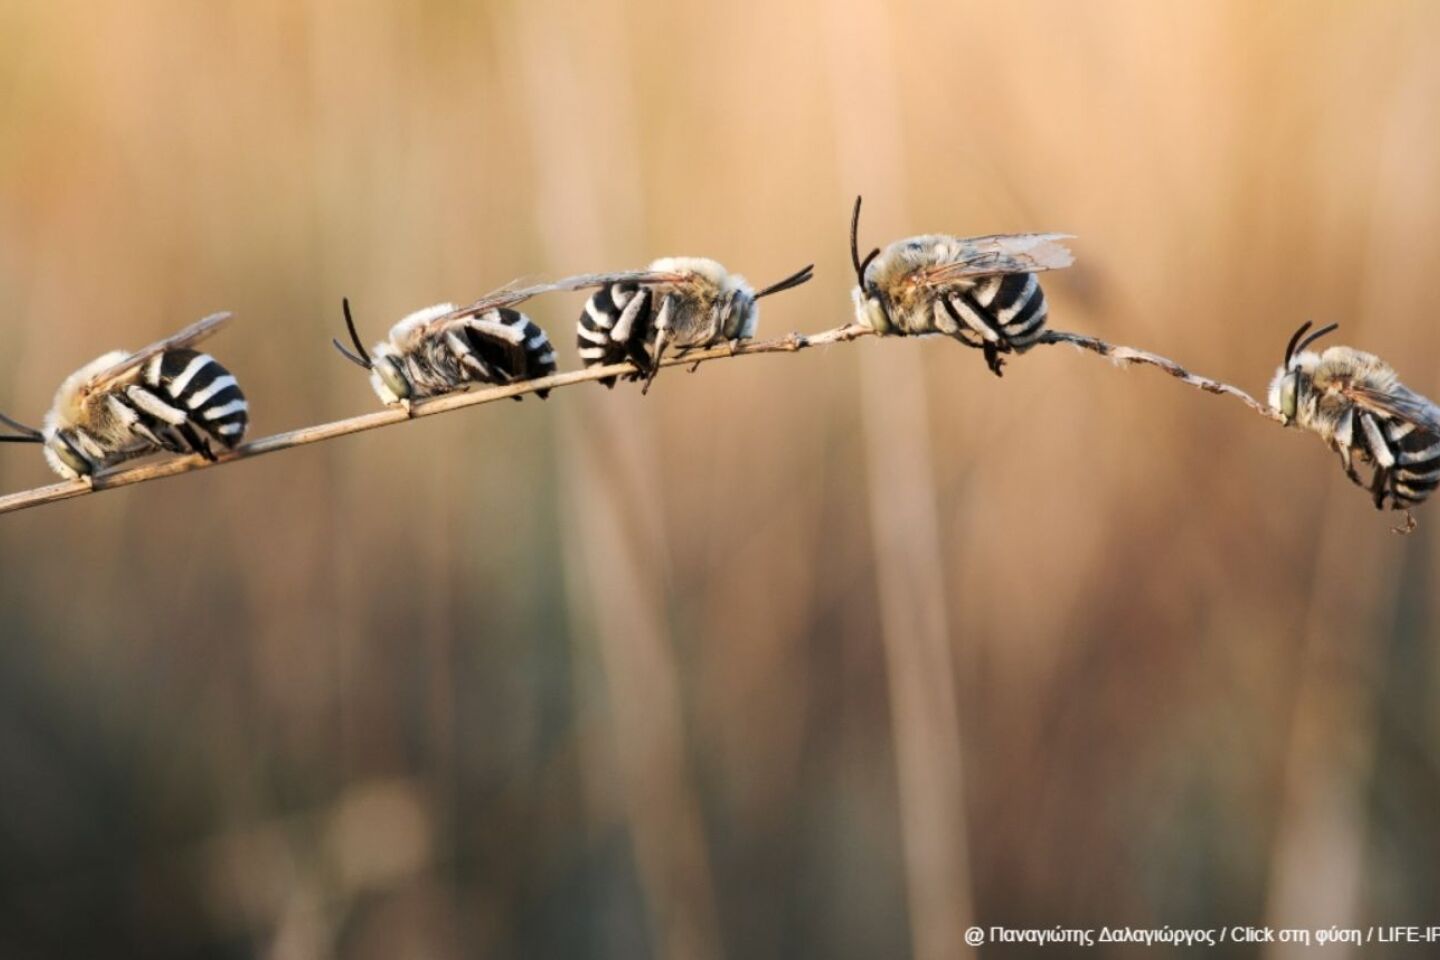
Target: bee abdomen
{"type": "Point", "coordinates": [497, 357]}
{"type": "Point", "coordinates": [1417, 469]}
{"type": "Point", "coordinates": [1016, 305]}
{"type": "Point", "coordinates": [1008, 311]}
{"type": "Point", "coordinates": [614, 326]}
{"type": "Point", "coordinates": [539, 352]}
{"type": "Point", "coordinates": [185, 386]}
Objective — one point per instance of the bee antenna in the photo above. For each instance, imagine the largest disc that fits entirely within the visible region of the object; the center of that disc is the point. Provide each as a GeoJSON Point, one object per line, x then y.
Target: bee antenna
{"type": "Point", "coordinates": [855, 243]}
{"type": "Point", "coordinates": [864, 264]}
{"type": "Point", "coordinates": [28, 434]}
{"type": "Point", "coordinates": [1294, 340]}
{"type": "Point", "coordinates": [859, 264]}
{"type": "Point", "coordinates": [363, 359]}
{"type": "Point", "coordinates": [1317, 335]}
{"type": "Point", "coordinates": [790, 282]}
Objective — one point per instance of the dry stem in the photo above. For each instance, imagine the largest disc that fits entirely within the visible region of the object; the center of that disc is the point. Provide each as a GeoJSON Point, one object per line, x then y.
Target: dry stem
{"type": "Point", "coordinates": [1124, 355]}
{"type": "Point", "coordinates": [125, 476]}
{"type": "Point", "coordinates": [790, 343]}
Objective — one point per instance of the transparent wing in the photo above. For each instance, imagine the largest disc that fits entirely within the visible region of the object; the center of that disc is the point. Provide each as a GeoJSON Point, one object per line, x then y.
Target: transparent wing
{"type": "Point", "coordinates": [1399, 403]}
{"type": "Point", "coordinates": [511, 294]}
{"type": "Point", "coordinates": [191, 335]}
{"type": "Point", "coordinates": [1002, 253]}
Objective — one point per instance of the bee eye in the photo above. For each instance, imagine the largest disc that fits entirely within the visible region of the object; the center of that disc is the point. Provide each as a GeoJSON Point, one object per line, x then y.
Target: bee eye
{"type": "Point", "coordinates": [391, 374]}
{"type": "Point", "coordinates": [68, 455]}
{"type": "Point", "coordinates": [875, 311]}
{"type": "Point", "coordinates": [1289, 396]}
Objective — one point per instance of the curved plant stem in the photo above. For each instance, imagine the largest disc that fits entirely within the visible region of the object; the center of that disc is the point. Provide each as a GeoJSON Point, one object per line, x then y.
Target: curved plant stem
{"type": "Point", "coordinates": [1126, 355]}
{"type": "Point", "coordinates": [155, 470]}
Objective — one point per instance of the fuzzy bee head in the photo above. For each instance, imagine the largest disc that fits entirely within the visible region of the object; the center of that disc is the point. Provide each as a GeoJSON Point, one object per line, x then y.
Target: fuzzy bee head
{"type": "Point", "coordinates": [1298, 367]}
{"type": "Point", "coordinates": [739, 313]}
{"type": "Point", "coordinates": [58, 438]}
{"type": "Point", "coordinates": [389, 380]}
{"type": "Point", "coordinates": [62, 444]}
{"type": "Point", "coordinates": [64, 456]}
{"type": "Point", "coordinates": [58, 445]}
{"type": "Point", "coordinates": [387, 373]}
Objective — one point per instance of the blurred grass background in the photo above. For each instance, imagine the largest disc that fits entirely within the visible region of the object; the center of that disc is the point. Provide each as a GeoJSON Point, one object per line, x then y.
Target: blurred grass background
{"type": "Point", "coordinates": [604, 677]}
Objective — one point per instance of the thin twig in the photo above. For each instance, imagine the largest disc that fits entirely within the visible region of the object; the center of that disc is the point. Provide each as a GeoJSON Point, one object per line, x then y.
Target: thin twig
{"type": "Point", "coordinates": [124, 477]}
{"type": "Point", "coordinates": [790, 343]}
{"type": "Point", "coordinates": [1124, 355]}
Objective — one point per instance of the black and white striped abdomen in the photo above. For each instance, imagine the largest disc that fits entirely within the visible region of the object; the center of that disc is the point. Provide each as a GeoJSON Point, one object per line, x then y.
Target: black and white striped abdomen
{"type": "Point", "coordinates": [615, 326]}
{"type": "Point", "coordinates": [1008, 308]}
{"type": "Point", "coordinates": [491, 340]}
{"type": "Point", "coordinates": [1416, 454]}
{"type": "Point", "coordinates": [185, 385]}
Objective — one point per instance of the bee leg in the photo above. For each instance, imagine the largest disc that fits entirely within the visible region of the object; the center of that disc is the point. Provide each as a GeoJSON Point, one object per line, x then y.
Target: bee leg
{"type": "Point", "coordinates": [730, 346]}
{"type": "Point", "coordinates": [992, 358]}
{"type": "Point", "coordinates": [468, 361]}
{"type": "Point", "coordinates": [124, 410]}
{"type": "Point", "coordinates": [167, 437]}
{"type": "Point", "coordinates": [977, 318]}
{"type": "Point", "coordinates": [478, 369]}
{"type": "Point", "coordinates": [1408, 526]}
{"type": "Point", "coordinates": [149, 435]}
{"type": "Point", "coordinates": [638, 355]}
{"type": "Point", "coordinates": [1382, 455]}
{"type": "Point", "coordinates": [655, 362]}
{"type": "Point", "coordinates": [639, 358]}
{"type": "Point", "coordinates": [1380, 486]}
{"type": "Point", "coordinates": [137, 409]}
{"type": "Point", "coordinates": [1348, 463]}
{"type": "Point", "coordinates": [661, 327]}
{"type": "Point", "coordinates": [196, 442]}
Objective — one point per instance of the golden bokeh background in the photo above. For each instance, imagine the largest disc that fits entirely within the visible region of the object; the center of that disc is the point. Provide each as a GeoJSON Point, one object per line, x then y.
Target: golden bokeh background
{"type": "Point", "coordinates": [830, 654]}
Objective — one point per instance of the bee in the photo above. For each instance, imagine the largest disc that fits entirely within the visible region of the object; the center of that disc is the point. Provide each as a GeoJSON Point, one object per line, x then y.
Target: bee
{"type": "Point", "coordinates": [445, 348]}
{"type": "Point", "coordinates": [980, 290]}
{"type": "Point", "coordinates": [679, 303]}
{"type": "Point", "coordinates": [1358, 406]}
{"type": "Point", "coordinates": [122, 405]}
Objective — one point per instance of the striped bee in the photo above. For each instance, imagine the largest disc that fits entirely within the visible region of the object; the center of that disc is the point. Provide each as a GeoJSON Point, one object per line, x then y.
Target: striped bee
{"type": "Point", "coordinates": [445, 348]}
{"type": "Point", "coordinates": [122, 405]}
{"type": "Point", "coordinates": [980, 290]}
{"type": "Point", "coordinates": [680, 303]}
{"type": "Point", "coordinates": [1358, 406]}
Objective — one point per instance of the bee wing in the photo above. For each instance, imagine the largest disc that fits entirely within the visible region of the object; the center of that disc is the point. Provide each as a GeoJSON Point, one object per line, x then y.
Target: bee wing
{"type": "Point", "coordinates": [641, 277]}
{"type": "Point", "coordinates": [191, 335]}
{"type": "Point", "coordinates": [1400, 403]}
{"type": "Point", "coordinates": [511, 294]}
{"type": "Point", "coordinates": [1001, 253]}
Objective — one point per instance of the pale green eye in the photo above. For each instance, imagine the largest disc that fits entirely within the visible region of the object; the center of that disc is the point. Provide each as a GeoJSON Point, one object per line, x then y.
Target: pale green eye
{"type": "Point", "coordinates": [393, 378]}
{"type": "Point", "coordinates": [1289, 401]}
{"type": "Point", "coordinates": [69, 456]}
{"type": "Point", "coordinates": [875, 312]}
